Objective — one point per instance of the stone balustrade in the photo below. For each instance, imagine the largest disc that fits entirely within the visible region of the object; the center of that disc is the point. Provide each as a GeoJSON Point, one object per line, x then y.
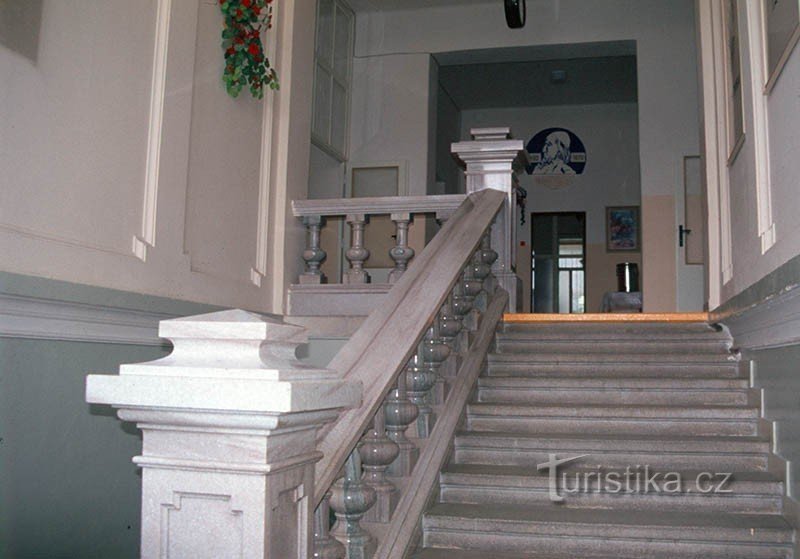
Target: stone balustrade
{"type": "Point", "coordinates": [385, 460]}
{"type": "Point", "coordinates": [490, 159]}
{"type": "Point", "coordinates": [246, 451]}
{"type": "Point", "coordinates": [356, 212]}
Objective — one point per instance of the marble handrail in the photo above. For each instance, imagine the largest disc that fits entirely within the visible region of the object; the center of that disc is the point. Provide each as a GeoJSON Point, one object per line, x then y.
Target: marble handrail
{"type": "Point", "coordinates": [377, 205]}
{"type": "Point", "coordinates": [382, 346]}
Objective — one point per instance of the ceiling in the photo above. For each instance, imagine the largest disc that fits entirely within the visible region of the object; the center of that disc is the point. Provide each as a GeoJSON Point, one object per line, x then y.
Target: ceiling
{"type": "Point", "coordinates": [537, 52]}
{"type": "Point", "coordinates": [389, 5]}
{"type": "Point", "coordinates": [607, 79]}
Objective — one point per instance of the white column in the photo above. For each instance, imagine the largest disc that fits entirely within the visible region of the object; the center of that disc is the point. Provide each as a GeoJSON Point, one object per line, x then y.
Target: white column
{"type": "Point", "coordinates": [229, 422]}
{"type": "Point", "coordinates": [490, 159]}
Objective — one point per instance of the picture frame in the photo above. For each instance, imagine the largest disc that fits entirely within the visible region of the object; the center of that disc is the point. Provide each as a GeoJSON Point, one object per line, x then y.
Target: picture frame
{"type": "Point", "coordinates": [623, 229]}
{"type": "Point", "coordinates": [781, 33]}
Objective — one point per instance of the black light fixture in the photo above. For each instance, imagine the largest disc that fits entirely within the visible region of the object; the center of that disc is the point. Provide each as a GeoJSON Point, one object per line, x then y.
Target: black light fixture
{"type": "Point", "coordinates": [515, 13]}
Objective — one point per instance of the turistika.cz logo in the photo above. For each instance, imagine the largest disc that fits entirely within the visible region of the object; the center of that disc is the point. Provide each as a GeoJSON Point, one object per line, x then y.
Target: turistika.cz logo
{"type": "Point", "coordinates": [638, 479]}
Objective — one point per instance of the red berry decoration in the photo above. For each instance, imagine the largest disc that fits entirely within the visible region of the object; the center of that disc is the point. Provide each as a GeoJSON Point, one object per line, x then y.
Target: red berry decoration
{"type": "Point", "coordinates": [245, 63]}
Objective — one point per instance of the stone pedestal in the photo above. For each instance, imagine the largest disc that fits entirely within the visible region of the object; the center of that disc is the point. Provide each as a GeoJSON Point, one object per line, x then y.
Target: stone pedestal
{"type": "Point", "coordinates": [229, 422]}
{"type": "Point", "coordinates": [490, 159]}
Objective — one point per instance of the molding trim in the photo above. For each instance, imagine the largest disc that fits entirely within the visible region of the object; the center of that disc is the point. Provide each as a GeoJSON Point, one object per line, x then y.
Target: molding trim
{"type": "Point", "coordinates": [49, 319]}
{"type": "Point", "coordinates": [773, 322]}
{"type": "Point", "coordinates": [265, 172]}
{"type": "Point", "coordinates": [757, 57]}
{"type": "Point", "coordinates": [157, 98]}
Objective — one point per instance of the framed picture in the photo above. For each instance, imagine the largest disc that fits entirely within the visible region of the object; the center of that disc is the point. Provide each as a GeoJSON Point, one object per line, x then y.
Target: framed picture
{"type": "Point", "coordinates": [781, 34]}
{"type": "Point", "coordinates": [623, 229]}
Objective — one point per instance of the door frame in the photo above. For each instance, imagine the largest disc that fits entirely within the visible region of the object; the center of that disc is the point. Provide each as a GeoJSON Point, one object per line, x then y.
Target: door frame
{"type": "Point", "coordinates": [533, 258]}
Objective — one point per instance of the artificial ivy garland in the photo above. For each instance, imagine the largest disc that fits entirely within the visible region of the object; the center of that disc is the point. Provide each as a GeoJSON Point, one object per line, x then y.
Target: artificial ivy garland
{"type": "Point", "coordinates": [245, 60]}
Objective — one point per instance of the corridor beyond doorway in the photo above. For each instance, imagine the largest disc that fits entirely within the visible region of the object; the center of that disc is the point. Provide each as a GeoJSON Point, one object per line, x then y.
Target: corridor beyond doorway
{"type": "Point", "coordinates": [558, 262]}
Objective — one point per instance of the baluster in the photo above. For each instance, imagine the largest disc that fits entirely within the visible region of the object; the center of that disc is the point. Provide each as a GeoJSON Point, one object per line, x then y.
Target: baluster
{"type": "Point", "coordinates": [481, 271]}
{"type": "Point", "coordinates": [421, 377]}
{"type": "Point", "coordinates": [434, 353]}
{"type": "Point", "coordinates": [400, 253]}
{"type": "Point", "coordinates": [449, 329]}
{"type": "Point", "coordinates": [489, 256]}
{"type": "Point", "coordinates": [400, 413]}
{"type": "Point", "coordinates": [350, 499]}
{"type": "Point", "coordinates": [377, 452]}
{"type": "Point", "coordinates": [325, 547]}
{"type": "Point", "coordinates": [313, 254]}
{"type": "Point", "coordinates": [471, 288]}
{"type": "Point", "coordinates": [462, 304]}
{"type": "Point", "coordinates": [357, 253]}
{"type": "Point", "coordinates": [449, 323]}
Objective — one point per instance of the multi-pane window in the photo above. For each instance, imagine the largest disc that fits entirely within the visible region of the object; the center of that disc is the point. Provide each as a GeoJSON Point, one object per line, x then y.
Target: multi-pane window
{"type": "Point", "coordinates": [571, 277]}
{"type": "Point", "coordinates": [332, 69]}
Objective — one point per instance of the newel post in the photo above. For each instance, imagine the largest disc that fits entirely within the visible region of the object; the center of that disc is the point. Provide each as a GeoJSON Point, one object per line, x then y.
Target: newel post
{"type": "Point", "coordinates": [229, 422]}
{"type": "Point", "coordinates": [490, 159]}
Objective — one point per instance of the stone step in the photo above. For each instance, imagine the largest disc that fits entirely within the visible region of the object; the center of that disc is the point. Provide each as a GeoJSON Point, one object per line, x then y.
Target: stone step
{"type": "Point", "coordinates": [447, 553]}
{"type": "Point", "coordinates": [620, 348]}
{"type": "Point", "coordinates": [618, 419]}
{"type": "Point", "coordinates": [623, 329]}
{"type": "Point", "coordinates": [607, 334]}
{"type": "Point", "coordinates": [593, 357]}
{"type": "Point", "coordinates": [610, 393]}
{"type": "Point", "coordinates": [525, 366]}
{"type": "Point", "coordinates": [555, 529]}
{"type": "Point", "coordinates": [718, 454]}
{"type": "Point", "coordinates": [610, 382]}
{"type": "Point", "coordinates": [744, 492]}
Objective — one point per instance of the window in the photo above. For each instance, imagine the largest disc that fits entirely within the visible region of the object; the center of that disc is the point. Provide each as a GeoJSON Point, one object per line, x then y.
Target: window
{"type": "Point", "coordinates": [332, 69]}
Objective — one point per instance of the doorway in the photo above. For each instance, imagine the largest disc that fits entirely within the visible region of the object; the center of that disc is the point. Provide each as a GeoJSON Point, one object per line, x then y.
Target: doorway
{"type": "Point", "coordinates": [558, 262]}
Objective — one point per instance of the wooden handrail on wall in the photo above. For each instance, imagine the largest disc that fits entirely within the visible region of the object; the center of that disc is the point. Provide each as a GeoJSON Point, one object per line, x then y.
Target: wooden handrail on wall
{"type": "Point", "coordinates": [382, 346]}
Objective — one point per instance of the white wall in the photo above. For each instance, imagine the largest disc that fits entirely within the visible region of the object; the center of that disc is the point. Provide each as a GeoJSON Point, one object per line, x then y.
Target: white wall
{"type": "Point", "coordinates": [667, 87]}
{"type": "Point", "coordinates": [783, 121]}
{"type": "Point", "coordinates": [610, 135]}
{"type": "Point", "coordinates": [126, 165]}
{"type": "Point", "coordinates": [389, 123]}
{"type": "Point", "coordinates": [326, 175]}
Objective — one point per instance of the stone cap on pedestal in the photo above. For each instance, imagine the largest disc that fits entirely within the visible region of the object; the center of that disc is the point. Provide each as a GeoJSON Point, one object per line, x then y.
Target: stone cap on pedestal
{"type": "Point", "coordinates": [232, 324]}
{"type": "Point", "coordinates": [226, 361]}
{"type": "Point", "coordinates": [231, 344]}
{"type": "Point", "coordinates": [491, 143]}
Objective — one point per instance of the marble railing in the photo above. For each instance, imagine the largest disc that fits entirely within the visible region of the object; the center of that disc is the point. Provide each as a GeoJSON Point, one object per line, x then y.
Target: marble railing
{"type": "Point", "coordinates": [490, 160]}
{"type": "Point", "coordinates": [246, 450]}
{"type": "Point", "coordinates": [417, 358]}
{"type": "Point", "coordinates": [357, 212]}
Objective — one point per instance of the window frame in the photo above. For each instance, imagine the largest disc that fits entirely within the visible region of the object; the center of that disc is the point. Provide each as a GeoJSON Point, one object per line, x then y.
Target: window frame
{"type": "Point", "coordinates": [343, 81]}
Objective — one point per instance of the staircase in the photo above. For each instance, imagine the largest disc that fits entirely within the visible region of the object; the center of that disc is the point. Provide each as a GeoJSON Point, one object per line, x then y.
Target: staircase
{"type": "Point", "coordinates": [669, 396]}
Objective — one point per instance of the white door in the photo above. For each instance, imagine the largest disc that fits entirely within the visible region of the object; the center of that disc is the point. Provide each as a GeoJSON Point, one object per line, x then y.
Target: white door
{"type": "Point", "coordinates": [690, 237]}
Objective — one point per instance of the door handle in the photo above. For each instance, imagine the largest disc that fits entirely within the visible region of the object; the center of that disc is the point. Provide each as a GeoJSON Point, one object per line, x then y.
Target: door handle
{"type": "Point", "coordinates": [682, 232]}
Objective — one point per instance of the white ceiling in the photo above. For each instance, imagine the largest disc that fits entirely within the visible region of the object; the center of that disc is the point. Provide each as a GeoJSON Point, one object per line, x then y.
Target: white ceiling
{"type": "Point", "coordinates": [389, 5]}
{"type": "Point", "coordinates": [537, 52]}
{"type": "Point", "coordinates": [528, 84]}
